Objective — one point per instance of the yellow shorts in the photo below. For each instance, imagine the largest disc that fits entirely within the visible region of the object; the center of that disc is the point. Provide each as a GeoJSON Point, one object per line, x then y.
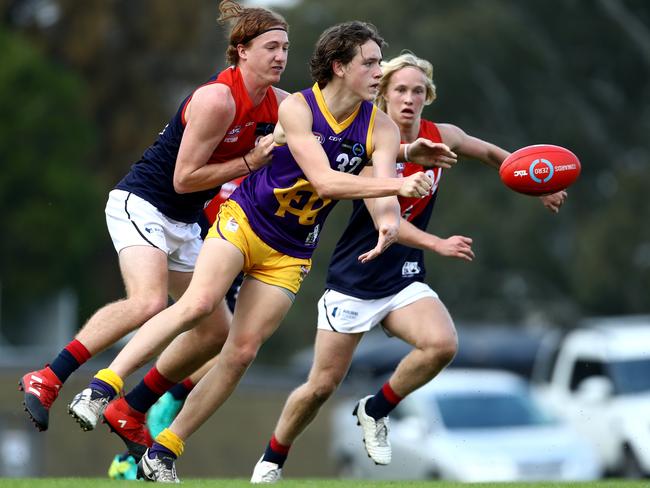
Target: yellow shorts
{"type": "Point", "coordinates": [261, 261]}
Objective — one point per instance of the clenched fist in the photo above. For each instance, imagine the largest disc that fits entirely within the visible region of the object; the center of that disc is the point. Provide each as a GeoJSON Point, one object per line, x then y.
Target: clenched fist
{"type": "Point", "coordinates": [417, 185]}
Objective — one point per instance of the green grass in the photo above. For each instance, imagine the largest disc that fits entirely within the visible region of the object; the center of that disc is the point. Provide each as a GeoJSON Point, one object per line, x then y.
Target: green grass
{"type": "Point", "coordinates": [306, 483]}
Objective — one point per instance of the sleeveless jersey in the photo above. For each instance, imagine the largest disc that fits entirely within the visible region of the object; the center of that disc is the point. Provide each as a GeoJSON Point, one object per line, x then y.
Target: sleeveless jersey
{"type": "Point", "coordinates": [152, 178]}
{"type": "Point", "coordinates": [399, 265]}
{"type": "Point", "coordinates": [282, 207]}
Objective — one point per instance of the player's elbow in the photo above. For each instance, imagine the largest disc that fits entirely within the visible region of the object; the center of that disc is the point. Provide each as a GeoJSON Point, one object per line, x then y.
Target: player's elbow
{"type": "Point", "coordinates": [325, 188]}
{"type": "Point", "coordinates": [181, 185]}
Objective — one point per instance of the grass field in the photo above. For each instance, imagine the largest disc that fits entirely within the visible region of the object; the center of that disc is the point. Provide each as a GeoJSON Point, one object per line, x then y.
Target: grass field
{"type": "Point", "coordinates": [307, 483]}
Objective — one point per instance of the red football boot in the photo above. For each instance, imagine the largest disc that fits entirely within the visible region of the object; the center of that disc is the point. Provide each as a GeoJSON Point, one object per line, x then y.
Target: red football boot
{"type": "Point", "coordinates": [130, 425]}
{"type": "Point", "coordinates": [41, 389]}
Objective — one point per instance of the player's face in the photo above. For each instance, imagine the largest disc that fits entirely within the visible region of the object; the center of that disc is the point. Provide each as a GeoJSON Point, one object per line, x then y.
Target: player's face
{"type": "Point", "coordinates": [267, 55]}
{"type": "Point", "coordinates": [405, 96]}
{"type": "Point", "coordinates": [364, 71]}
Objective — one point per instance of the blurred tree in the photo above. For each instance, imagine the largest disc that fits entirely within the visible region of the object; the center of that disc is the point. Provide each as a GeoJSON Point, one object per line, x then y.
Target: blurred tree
{"type": "Point", "coordinates": [49, 198]}
{"type": "Point", "coordinates": [569, 72]}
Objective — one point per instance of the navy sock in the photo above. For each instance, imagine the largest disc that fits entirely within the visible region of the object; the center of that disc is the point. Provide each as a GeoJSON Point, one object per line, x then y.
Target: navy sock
{"type": "Point", "coordinates": [276, 452]}
{"type": "Point", "coordinates": [69, 359]}
{"type": "Point", "coordinates": [179, 391]}
{"type": "Point", "coordinates": [141, 398]}
{"type": "Point", "coordinates": [384, 401]}
{"type": "Point", "coordinates": [64, 365]}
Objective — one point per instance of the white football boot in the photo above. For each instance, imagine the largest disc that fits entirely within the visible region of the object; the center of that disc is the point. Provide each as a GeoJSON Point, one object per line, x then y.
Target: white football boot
{"type": "Point", "coordinates": [266, 472]}
{"type": "Point", "coordinates": [161, 469]}
{"type": "Point", "coordinates": [375, 433]}
{"type": "Point", "coordinates": [88, 406]}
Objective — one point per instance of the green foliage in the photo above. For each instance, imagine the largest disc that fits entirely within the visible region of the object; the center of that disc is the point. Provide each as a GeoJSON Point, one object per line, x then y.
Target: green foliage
{"type": "Point", "coordinates": [51, 216]}
{"type": "Point", "coordinates": [568, 72]}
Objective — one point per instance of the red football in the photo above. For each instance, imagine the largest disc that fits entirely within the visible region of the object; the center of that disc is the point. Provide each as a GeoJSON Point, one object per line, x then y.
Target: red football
{"type": "Point", "coordinates": [540, 169]}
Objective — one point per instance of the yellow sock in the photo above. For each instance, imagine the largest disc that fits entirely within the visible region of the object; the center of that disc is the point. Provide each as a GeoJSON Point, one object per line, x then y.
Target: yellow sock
{"type": "Point", "coordinates": [111, 378]}
{"type": "Point", "coordinates": [171, 441]}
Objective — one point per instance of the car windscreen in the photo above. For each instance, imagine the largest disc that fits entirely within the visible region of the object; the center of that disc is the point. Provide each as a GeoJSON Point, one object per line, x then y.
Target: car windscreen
{"type": "Point", "coordinates": [489, 410]}
{"type": "Point", "coordinates": [630, 376]}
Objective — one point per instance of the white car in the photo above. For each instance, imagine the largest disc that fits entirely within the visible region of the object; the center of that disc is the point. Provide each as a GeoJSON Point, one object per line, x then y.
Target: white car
{"type": "Point", "coordinates": [470, 426]}
{"type": "Point", "coordinates": [597, 377]}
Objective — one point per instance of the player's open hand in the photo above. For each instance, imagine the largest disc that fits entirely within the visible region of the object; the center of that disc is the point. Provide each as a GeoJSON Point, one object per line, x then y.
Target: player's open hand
{"type": "Point", "coordinates": [387, 237]}
{"type": "Point", "coordinates": [455, 247]}
{"type": "Point", "coordinates": [416, 185]}
{"type": "Point", "coordinates": [431, 154]}
{"type": "Point", "coordinates": [261, 153]}
{"type": "Point", "coordinates": [554, 201]}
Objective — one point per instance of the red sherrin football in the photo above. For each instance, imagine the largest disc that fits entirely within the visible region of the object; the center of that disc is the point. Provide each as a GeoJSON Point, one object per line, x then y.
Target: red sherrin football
{"type": "Point", "coordinates": [540, 169]}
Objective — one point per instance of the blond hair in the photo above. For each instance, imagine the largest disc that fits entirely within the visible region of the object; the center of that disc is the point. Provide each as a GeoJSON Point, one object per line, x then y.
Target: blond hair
{"type": "Point", "coordinates": [405, 60]}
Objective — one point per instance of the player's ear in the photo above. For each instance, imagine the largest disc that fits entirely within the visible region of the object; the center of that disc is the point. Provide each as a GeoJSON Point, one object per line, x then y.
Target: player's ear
{"type": "Point", "coordinates": [338, 68]}
{"type": "Point", "coordinates": [242, 52]}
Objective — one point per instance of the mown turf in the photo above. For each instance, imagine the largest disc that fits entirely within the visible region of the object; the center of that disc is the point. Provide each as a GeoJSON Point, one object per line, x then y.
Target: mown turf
{"type": "Point", "coordinates": [306, 483]}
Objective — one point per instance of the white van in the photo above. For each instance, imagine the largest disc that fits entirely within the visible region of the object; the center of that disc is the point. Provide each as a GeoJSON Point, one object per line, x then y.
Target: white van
{"type": "Point", "coordinates": [597, 377]}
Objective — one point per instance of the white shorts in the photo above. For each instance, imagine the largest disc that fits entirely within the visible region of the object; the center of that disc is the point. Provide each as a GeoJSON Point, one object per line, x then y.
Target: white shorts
{"type": "Point", "coordinates": [132, 221]}
{"type": "Point", "coordinates": [350, 315]}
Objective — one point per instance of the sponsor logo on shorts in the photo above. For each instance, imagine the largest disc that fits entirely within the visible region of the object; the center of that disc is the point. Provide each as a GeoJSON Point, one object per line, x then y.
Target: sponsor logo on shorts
{"type": "Point", "coordinates": [232, 225]}
{"type": "Point", "coordinates": [411, 268]}
{"type": "Point", "coordinates": [304, 270]}
{"type": "Point", "coordinates": [344, 314]}
{"type": "Point", "coordinates": [153, 229]}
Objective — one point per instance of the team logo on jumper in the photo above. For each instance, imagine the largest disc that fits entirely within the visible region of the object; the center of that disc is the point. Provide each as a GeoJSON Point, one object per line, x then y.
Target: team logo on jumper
{"type": "Point", "coordinates": [263, 128]}
{"type": "Point", "coordinates": [411, 268]}
{"type": "Point", "coordinates": [353, 148]}
{"type": "Point", "coordinates": [344, 314]}
{"type": "Point", "coordinates": [543, 173]}
{"type": "Point", "coordinates": [312, 237]}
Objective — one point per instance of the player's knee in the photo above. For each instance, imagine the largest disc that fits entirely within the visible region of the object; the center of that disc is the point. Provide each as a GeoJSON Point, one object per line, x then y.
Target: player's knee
{"type": "Point", "coordinates": [196, 307]}
{"type": "Point", "coordinates": [149, 306]}
{"type": "Point", "coordinates": [440, 350]}
{"type": "Point", "coordinates": [447, 349]}
{"type": "Point", "coordinates": [243, 355]}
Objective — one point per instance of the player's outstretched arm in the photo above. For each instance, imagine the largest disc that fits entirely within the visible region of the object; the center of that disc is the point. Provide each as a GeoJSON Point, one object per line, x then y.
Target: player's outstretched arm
{"type": "Point", "coordinates": [410, 235]}
{"type": "Point", "coordinates": [427, 153]}
{"type": "Point", "coordinates": [490, 154]}
{"type": "Point", "coordinates": [296, 122]}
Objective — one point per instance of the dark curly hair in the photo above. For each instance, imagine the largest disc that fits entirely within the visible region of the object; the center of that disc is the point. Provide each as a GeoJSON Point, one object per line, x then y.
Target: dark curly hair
{"type": "Point", "coordinates": [340, 43]}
